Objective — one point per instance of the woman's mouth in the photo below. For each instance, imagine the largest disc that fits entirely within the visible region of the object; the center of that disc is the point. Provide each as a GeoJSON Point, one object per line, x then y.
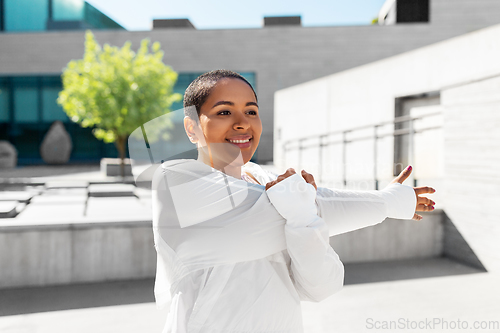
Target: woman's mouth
{"type": "Point", "coordinates": [241, 143]}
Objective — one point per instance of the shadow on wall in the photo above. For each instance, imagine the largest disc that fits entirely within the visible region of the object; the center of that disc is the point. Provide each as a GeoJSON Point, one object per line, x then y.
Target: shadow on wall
{"type": "Point", "coordinates": [455, 247]}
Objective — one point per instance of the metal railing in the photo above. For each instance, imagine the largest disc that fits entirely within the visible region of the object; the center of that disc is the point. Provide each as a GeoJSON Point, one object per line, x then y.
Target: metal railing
{"type": "Point", "coordinates": [323, 142]}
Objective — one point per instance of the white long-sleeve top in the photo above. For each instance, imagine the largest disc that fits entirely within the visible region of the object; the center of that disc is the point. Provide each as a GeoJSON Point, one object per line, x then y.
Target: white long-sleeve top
{"type": "Point", "coordinates": [264, 294]}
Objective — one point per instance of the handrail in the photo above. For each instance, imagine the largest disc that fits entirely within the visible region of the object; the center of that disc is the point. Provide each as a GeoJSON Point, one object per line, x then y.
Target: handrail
{"type": "Point", "coordinates": [322, 140]}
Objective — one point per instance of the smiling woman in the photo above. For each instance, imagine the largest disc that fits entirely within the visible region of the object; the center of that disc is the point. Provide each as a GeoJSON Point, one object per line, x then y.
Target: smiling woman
{"type": "Point", "coordinates": [239, 247]}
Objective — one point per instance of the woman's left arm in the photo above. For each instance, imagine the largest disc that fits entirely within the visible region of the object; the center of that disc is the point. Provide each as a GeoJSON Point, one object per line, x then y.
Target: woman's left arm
{"type": "Point", "coordinates": [345, 210]}
{"type": "Point", "coordinates": [348, 210]}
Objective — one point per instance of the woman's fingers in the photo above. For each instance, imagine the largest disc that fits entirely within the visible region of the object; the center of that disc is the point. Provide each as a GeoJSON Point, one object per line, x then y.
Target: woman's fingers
{"type": "Point", "coordinates": [424, 189]}
{"type": "Point", "coordinates": [309, 178]}
{"type": "Point", "coordinates": [424, 208]}
{"type": "Point", "coordinates": [424, 204]}
{"type": "Point", "coordinates": [417, 217]}
{"type": "Point", "coordinates": [270, 184]}
{"type": "Point", "coordinates": [288, 173]}
{"type": "Point", "coordinates": [425, 201]}
{"type": "Point", "coordinates": [403, 175]}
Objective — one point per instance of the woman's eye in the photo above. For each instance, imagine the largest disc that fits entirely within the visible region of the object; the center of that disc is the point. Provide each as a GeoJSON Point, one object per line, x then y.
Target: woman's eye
{"type": "Point", "coordinates": [227, 112]}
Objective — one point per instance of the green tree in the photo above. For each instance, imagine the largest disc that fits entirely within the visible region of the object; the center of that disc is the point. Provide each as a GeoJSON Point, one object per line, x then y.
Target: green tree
{"type": "Point", "coordinates": [115, 90]}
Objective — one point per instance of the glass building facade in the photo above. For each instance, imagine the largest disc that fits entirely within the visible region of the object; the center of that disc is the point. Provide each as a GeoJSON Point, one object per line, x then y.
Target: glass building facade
{"type": "Point", "coordinates": [44, 15]}
{"type": "Point", "coordinates": [28, 107]}
{"type": "Point", "coordinates": [28, 104]}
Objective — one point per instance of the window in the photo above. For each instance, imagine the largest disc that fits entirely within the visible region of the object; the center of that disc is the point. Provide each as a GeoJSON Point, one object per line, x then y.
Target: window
{"type": "Point", "coordinates": [25, 99]}
{"type": "Point", "coordinates": [403, 107]}
{"type": "Point", "coordinates": [97, 19]}
{"type": "Point", "coordinates": [412, 11]}
{"type": "Point", "coordinates": [25, 15]}
{"type": "Point", "coordinates": [43, 15]}
{"type": "Point", "coordinates": [4, 101]}
{"type": "Point", "coordinates": [51, 111]}
{"type": "Point", "coordinates": [1, 16]}
{"type": "Point", "coordinates": [67, 10]}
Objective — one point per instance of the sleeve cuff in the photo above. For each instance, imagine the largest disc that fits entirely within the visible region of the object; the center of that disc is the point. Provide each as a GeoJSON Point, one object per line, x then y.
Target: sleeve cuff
{"type": "Point", "coordinates": [401, 201]}
{"type": "Point", "coordinates": [293, 197]}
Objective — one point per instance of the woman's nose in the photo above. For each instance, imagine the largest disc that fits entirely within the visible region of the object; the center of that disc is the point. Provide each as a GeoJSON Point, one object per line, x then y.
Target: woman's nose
{"type": "Point", "coordinates": [241, 122]}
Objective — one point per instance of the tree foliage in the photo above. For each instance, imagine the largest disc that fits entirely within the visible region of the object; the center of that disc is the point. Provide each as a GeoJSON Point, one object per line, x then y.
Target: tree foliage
{"type": "Point", "coordinates": [115, 90]}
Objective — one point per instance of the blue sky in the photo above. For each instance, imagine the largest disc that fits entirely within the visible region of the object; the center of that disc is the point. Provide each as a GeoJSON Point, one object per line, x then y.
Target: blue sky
{"type": "Point", "coordinates": [233, 14]}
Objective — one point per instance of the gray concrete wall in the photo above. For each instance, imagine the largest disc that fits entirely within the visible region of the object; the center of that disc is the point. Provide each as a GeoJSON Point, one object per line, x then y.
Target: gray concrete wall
{"type": "Point", "coordinates": [472, 159]}
{"type": "Point", "coordinates": [392, 240]}
{"type": "Point", "coordinates": [280, 56]}
{"type": "Point", "coordinates": [46, 254]}
{"type": "Point", "coordinates": [91, 251]}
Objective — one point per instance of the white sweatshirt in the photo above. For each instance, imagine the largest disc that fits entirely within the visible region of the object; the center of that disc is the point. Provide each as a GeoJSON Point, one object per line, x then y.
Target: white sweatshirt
{"type": "Point", "coordinates": [264, 294]}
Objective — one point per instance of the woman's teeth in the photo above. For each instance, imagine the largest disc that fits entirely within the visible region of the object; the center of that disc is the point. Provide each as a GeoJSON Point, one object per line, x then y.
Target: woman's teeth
{"type": "Point", "coordinates": [239, 141]}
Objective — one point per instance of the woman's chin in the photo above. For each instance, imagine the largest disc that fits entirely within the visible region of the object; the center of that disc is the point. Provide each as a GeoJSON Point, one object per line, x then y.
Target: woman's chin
{"type": "Point", "coordinates": [226, 161]}
{"type": "Point", "coordinates": [227, 157]}
{"type": "Point", "coordinates": [239, 162]}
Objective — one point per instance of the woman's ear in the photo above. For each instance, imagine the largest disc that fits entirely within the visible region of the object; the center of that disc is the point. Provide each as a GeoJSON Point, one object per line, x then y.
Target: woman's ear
{"type": "Point", "coordinates": [189, 126]}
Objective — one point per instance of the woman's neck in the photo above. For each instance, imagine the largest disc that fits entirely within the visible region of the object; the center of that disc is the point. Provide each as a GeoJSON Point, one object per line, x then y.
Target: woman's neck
{"type": "Point", "coordinates": [231, 170]}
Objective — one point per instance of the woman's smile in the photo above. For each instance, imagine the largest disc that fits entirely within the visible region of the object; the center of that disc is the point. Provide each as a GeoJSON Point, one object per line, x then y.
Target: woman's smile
{"type": "Point", "coordinates": [241, 141]}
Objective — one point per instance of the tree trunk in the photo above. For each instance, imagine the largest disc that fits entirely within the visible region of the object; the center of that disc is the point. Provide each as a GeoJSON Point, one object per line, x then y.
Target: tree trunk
{"type": "Point", "coordinates": [120, 146]}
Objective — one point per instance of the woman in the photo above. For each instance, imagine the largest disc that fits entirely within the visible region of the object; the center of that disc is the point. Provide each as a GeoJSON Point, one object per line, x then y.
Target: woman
{"type": "Point", "coordinates": [238, 247]}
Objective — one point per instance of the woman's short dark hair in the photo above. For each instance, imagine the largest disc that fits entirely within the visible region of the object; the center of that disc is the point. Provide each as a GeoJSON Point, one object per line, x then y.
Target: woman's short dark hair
{"type": "Point", "coordinates": [198, 91]}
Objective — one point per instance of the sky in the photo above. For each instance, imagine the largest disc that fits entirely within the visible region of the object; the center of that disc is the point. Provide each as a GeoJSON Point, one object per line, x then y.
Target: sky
{"type": "Point", "coordinates": [238, 14]}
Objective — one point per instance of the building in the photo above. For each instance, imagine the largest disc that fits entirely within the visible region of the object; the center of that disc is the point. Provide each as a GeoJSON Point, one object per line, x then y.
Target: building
{"type": "Point", "coordinates": [448, 94]}
{"type": "Point", "coordinates": [27, 100]}
{"type": "Point", "coordinates": [281, 54]}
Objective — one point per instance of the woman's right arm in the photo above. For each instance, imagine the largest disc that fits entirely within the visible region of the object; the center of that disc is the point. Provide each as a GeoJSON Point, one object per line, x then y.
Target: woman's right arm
{"type": "Point", "coordinates": [345, 210]}
{"type": "Point", "coordinates": [317, 271]}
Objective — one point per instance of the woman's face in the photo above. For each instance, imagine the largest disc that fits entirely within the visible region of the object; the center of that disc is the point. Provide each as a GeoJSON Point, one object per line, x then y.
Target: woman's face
{"type": "Point", "coordinates": [230, 122]}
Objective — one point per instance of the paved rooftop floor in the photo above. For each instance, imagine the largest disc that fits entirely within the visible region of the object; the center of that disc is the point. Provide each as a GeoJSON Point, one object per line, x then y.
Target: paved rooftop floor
{"type": "Point", "coordinates": [70, 192]}
{"type": "Point", "coordinates": [128, 306]}
{"type": "Point", "coordinates": [366, 307]}
{"type": "Point", "coordinates": [30, 193]}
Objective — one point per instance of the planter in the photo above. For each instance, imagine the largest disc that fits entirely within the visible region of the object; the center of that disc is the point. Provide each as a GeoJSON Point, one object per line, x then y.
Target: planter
{"type": "Point", "coordinates": [111, 167]}
{"type": "Point", "coordinates": [8, 155]}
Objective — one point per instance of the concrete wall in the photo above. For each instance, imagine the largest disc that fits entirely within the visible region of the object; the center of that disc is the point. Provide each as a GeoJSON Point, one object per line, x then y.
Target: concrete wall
{"type": "Point", "coordinates": [459, 160]}
{"type": "Point", "coordinates": [472, 159]}
{"type": "Point", "coordinates": [366, 95]}
{"type": "Point", "coordinates": [93, 251]}
{"type": "Point", "coordinates": [281, 56]}
{"type": "Point", "coordinates": [392, 240]}
{"type": "Point", "coordinates": [37, 255]}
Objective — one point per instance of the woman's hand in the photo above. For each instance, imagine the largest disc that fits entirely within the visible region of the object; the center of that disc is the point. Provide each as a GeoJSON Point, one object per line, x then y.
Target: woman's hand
{"type": "Point", "coordinates": [423, 204]}
{"type": "Point", "coordinates": [307, 177]}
